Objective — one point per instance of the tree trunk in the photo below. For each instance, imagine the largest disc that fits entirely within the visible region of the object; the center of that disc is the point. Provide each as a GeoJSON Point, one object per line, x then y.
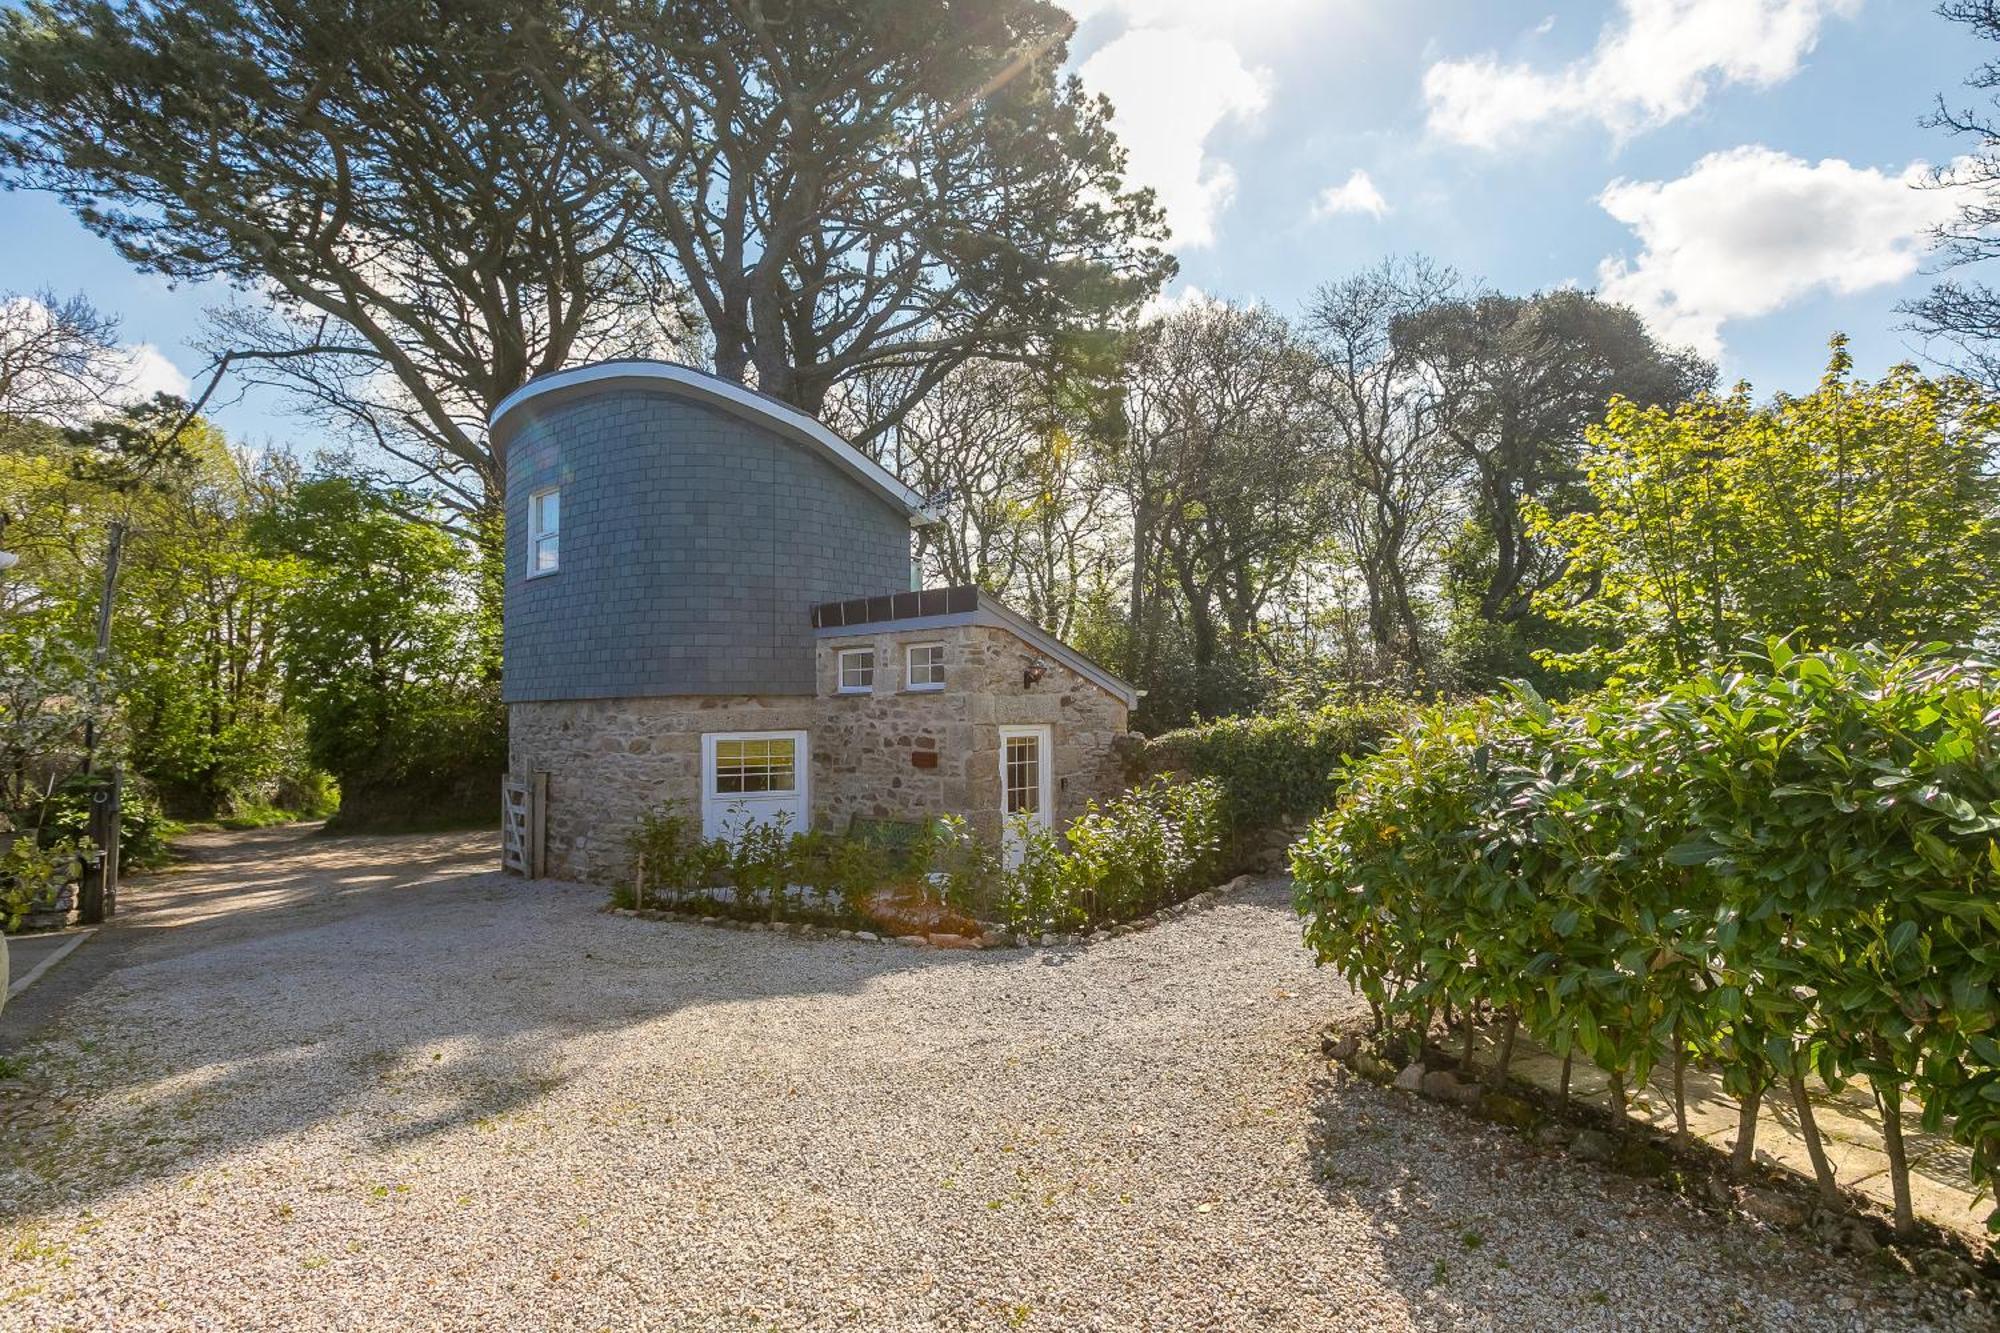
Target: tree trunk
{"type": "Point", "coordinates": [1809, 1130]}
{"type": "Point", "coordinates": [1680, 1086]}
{"type": "Point", "coordinates": [1744, 1155]}
{"type": "Point", "coordinates": [1889, 1097]}
{"type": "Point", "coordinates": [1508, 1027]}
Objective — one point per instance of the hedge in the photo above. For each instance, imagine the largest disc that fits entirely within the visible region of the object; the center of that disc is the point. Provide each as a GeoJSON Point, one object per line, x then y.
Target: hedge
{"type": "Point", "coordinates": [1278, 766]}
{"type": "Point", "coordinates": [1785, 868]}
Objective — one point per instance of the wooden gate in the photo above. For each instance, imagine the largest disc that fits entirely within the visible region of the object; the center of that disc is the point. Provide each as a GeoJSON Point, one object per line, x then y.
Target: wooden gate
{"type": "Point", "coordinates": [524, 808]}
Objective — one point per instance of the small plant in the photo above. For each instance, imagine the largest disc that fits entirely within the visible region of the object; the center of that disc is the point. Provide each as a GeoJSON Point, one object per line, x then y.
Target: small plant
{"type": "Point", "coordinates": [32, 875]}
{"type": "Point", "coordinates": [671, 856]}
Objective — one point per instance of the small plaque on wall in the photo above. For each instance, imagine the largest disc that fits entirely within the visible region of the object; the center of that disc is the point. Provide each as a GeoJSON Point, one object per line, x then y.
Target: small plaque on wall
{"type": "Point", "coordinates": [923, 759]}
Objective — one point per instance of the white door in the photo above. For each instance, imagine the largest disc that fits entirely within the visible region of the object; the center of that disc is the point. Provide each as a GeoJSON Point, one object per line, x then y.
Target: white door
{"type": "Point", "coordinates": [1024, 785]}
{"type": "Point", "coordinates": [753, 777]}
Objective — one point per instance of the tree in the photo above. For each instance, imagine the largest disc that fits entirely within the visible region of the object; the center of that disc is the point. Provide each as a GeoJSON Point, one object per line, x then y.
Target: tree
{"type": "Point", "coordinates": [59, 359]}
{"type": "Point", "coordinates": [427, 235]}
{"type": "Point", "coordinates": [1519, 379]}
{"type": "Point", "coordinates": [1859, 512]}
{"type": "Point", "coordinates": [444, 198]}
{"type": "Point", "coordinates": [192, 706]}
{"type": "Point", "coordinates": [851, 186]}
{"type": "Point", "coordinates": [1012, 464]}
{"type": "Point", "coordinates": [388, 654]}
{"type": "Point", "coordinates": [1223, 472]}
{"type": "Point", "coordinates": [1965, 315]}
{"type": "Point", "coordinates": [1395, 461]}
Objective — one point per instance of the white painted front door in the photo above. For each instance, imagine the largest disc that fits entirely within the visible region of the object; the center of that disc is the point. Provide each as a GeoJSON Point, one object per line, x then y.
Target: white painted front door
{"type": "Point", "coordinates": [1025, 788]}
{"type": "Point", "coordinates": [753, 777]}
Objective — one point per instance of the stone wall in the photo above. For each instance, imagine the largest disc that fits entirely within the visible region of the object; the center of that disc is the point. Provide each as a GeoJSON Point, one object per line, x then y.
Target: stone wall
{"type": "Point", "coordinates": [878, 736]}
{"type": "Point", "coordinates": [888, 754]}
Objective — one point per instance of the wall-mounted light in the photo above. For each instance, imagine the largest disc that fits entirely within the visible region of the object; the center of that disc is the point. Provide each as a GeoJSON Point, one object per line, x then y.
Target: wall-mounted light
{"type": "Point", "coordinates": [1033, 672]}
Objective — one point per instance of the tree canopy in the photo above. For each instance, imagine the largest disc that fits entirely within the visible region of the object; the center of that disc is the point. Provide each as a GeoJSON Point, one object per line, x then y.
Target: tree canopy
{"type": "Point", "coordinates": [428, 203]}
{"type": "Point", "coordinates": [1856, 513]}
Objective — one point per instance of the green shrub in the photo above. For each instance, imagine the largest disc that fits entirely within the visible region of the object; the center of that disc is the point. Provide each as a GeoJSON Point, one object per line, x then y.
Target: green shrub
{"type": "Point", "coordinates": [1157, 844]}
{"type": "Point", "coordinates": [669, 854]}
{"type": "Point", "coordinates": [1277, 766]}
{"type": "Point", "coordinates": [950, 860]}
{"type": "Point", "coordinates": [1789, 866]}
{"type": "Point", "coordinates": [31, 873]}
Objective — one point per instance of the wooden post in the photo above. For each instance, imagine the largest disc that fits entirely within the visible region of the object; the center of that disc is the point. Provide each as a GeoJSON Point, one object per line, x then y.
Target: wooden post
{"type": "Point", "coordinates": [538, 823]}
{"type": "Point", "coordinates": [97, 895]}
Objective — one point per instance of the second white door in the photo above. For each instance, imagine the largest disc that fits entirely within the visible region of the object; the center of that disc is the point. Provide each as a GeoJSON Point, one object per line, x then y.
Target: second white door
{"type": "Point", "coordinates": [1025, 787]}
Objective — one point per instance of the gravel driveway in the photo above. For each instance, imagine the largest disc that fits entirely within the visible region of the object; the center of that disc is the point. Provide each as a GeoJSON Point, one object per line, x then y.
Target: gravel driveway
{"type": "Point", "coordinates": [364, 1083]}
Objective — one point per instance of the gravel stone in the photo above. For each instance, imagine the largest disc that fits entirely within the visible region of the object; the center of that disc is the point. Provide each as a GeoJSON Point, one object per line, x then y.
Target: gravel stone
{"type": "Point", "coordinates": [364, 1083]}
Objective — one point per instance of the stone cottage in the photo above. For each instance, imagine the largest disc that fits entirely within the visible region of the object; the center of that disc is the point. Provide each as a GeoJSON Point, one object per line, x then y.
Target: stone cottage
{"type": "Point", "coordinates": [709, 601]}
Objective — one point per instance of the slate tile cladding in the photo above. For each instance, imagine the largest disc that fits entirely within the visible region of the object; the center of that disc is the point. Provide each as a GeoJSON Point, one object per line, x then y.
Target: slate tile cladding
{"type": "Point", "coordinates": [694, 544]}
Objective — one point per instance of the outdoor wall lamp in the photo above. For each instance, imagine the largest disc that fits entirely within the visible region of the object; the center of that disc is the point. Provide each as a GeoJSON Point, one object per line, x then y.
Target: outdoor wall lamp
{"type": "Point", "coordinates": [1033, 672]}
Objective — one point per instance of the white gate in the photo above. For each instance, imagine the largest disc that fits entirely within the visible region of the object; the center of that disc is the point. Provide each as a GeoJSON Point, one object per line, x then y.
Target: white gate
{"type": "Point", "coordinates": [523, 823]}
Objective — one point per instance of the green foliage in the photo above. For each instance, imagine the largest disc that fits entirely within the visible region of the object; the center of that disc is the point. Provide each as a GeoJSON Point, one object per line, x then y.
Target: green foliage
{"type": "Point", "coordinates": [1792, 863]}
{"type": "Point", "coordinates": [951, 859]}
{"type": "Point", "coordinates": [32, 873]}
{"type": "Point", "coordinates": [1275, 766]}
{"type": "Point", "coordinates": [1155, 845]}
{"type": "Point", "coordinates": [671, 854]}
{"type": "Point", "coordinates": [390, 653]}
{"type": "Point", "coordinates": [190, 688]}
{"type": "Point", "coordinates": [1860, 512]}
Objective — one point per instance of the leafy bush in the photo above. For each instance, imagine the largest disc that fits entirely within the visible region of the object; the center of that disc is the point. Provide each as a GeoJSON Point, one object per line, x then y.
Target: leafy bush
{"type": "Point", "coordinates": [1155, 845]}
{"type": "Point", "coordinates": [671, 855]}
{"type": "Point", "coordinates": [31, 874]}
{"type": "Point", "coordinates": [1276, 766]}
{"type": "Point", "coordinates": [1784, 868]}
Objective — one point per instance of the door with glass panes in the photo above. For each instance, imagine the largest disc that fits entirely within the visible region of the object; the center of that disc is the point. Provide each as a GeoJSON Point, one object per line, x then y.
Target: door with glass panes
{"type": "Point", "coordinates": [753, 777]}
{"type": "Point", "coordinates": [1025, 789]}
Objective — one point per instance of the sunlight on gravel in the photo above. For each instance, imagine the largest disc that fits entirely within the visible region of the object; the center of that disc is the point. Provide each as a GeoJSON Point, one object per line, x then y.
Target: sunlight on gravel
{"type": "Point", "coordinates": [448, 1099]}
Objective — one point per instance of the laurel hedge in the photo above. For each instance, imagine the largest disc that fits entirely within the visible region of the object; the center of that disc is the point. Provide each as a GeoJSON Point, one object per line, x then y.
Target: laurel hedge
{"type": "Point", "coordinates": [1785, 868]}
{"type": "Point", "coordinates": [1277, 766]}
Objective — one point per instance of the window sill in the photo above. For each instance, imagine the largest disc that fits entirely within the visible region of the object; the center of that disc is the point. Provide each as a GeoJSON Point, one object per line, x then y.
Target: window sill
{"type": "Point", "coordinates": [855, 689]}
{"type": "Point", "coordinates": [544, 573]}
{"type": "Point", "coordinates": [923, 689]}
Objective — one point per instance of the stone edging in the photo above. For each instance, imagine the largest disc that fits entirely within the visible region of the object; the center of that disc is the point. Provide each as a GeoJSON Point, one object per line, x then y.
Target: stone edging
{"type": "Point", "coordinates": [1202, 901]}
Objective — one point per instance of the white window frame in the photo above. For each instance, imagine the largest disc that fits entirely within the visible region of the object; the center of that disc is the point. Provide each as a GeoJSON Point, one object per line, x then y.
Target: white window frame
{"type": "Point", "coordinates": [716, 806]}
{"type": "Point", "coordinates": [909, 672]}
{"type": "Point", "coordinates": [537, 534]}
{"type": "Point", "coordinates": [840, 685]}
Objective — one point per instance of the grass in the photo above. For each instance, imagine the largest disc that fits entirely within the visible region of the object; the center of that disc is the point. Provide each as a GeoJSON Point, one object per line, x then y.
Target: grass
{"type": "Point", "coordinates": [13, 1066]}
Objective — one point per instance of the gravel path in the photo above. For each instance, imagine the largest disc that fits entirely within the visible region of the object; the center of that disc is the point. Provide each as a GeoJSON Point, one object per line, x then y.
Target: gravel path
{"type": "Point", "coordinates": [364, 1084]}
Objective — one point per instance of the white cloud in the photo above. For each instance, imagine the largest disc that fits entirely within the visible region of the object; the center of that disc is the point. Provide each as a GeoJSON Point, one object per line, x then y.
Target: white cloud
{"type": "Point", "coordinates": [1187, 296]}
{"type": "Point", "coordinates": [1357, 194]}
{"type": "Point", "coordinates": [1170, 88]}
{"type": "Point", "coordinates": [68, 376]}
{"type": "Point", "coordinates": [1751, 230]}
{"type": "Point", "coordinates": [145, 370]}
{"type": "Point", "coordinates": [1655, 64]}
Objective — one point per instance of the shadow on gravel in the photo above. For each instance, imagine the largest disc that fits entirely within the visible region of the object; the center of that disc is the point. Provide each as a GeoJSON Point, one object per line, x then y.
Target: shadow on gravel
{"type": "Point", "coordinates": [277, 981]}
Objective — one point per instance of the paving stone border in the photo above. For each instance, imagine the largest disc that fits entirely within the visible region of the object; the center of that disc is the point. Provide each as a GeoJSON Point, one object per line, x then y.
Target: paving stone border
{"type": "Point", "coordinates": [1200, 902]}
{"type": "Point", "coordinates": [1775, 1195]}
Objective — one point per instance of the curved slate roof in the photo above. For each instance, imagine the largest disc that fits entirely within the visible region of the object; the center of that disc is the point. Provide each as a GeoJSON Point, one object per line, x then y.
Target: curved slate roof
{"type": "Point", "coordinates": [711, 391]}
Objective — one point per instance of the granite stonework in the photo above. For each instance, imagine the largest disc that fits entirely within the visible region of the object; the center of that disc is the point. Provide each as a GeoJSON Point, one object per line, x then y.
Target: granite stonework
{"type": "Point", "coordinates": [891, 753]}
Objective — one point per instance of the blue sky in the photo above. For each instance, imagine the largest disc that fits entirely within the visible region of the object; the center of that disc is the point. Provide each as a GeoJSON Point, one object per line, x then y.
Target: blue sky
{"type": "Point", "coordinates": [1737, 169]}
